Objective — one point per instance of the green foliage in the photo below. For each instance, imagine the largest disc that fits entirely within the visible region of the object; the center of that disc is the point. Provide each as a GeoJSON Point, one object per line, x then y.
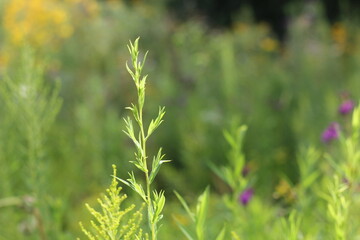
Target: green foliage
{"type": "Point", "coordinates": [33, 106]}
{"type": "Point", "coordinates": [154, 200]}
{"type": "Point", "coordinates": [30, 105]}
{"type": "Point", "coordinates": [198, 217]}
{"type": "Point", "coordinates": [338, 208]}
{"type": "Point", "coordinates": [53, 160]}
{"type": "Point", "coordinates": [114, 222]}
{"type": "Point", "coordinates": [291, 226]}
{"type": "Point", "coordinates": [232, 173]}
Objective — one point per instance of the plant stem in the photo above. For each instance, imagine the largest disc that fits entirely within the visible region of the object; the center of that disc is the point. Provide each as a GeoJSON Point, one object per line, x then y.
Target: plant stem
{"type": "Point", "coordinates": [152, 225]}
{"type": "Point", "coordinates": [155, 201]}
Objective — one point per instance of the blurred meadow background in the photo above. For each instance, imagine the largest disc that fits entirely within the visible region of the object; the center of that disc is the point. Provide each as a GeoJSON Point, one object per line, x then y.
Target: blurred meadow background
{"type": "Point", "coordinates": [264, 87]}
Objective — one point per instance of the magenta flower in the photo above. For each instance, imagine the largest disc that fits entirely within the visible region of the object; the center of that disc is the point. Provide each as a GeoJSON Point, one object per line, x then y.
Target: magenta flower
{"type": "Point", "coordinates": [246, 196]}
{"type": "Point", "coordinates": [331, 133]}
{"type": "Point", "coordinates": [346, 107]}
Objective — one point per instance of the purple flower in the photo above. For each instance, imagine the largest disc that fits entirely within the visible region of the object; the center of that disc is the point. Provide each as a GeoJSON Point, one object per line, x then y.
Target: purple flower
{"type": "Point", "coordinates": [346, 107]}
{"type": "Point", "coordinates": [331, 133]}
{"type": "Point", "coordinates": [246, 196]}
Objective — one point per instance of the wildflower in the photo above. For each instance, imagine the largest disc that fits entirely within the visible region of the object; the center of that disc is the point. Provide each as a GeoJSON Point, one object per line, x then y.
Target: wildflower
{"type": "Point", "coordinates": [37, 22]}
{"type": "Point", "coordinates": [339, 35]}
{"type": "Point", "coordinates": [241, 27]}
{"type": "Point", "coordinates": [331, 133]}
{"type": "Point", "coordinates": [269, 44]}
{"type": "Point", "coordinates": [346, 107]}
{"type": "Point", "coordinates": [246, 196]}
{"type": "Point", "coordinates": [285, 191]}
{"type": "Point", "coordinates": [4, 59]}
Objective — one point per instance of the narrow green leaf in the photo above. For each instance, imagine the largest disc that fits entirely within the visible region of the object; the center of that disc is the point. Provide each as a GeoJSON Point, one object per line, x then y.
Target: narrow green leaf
{"type": "Point", "coordinates": [130, 71]}
{"type": "Point", "coordinates": [229, 139]}
{"type": "Point", "coordinates": [155, 123]}
{"type": "Point", "coordinates": [185, 206]}
{"type": "Point", "coordinates": [309, 180]}
{"type": "Point", "coordinates": [138, 165]}
{"type": "Point", "coordinates": [184, 231]}
{"type": "Point", "coordinates": [201, 212]}
{"type": "Point", "coordinates": [159, 203]}
{"type": "Point", "coordinates": [144, 60]}
{"type": "Point", "coordinates": [221, 235]}
{"type": "Point", "coordinates": [156, 164]}
{"type": "Point", "coordinates": [218, 171]}
{"type": "Point", "coordinates": [187, 235]}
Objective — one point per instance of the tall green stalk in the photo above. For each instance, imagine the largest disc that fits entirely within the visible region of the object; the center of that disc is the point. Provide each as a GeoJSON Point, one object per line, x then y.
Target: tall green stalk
{"type": "Point", "coordinates": [32, 106]}
{"type": "Point", "coordinates": [153, 199]}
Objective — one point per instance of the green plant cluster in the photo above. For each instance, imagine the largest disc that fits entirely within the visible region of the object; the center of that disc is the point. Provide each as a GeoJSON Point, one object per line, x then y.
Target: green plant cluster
{"type": "Point", "coordinates": [244, 129]}
{"type": "Point", "coordinates": [111, 224]}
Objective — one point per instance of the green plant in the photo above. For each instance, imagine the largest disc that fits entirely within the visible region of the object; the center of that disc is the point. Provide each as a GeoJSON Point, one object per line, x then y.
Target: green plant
{"type": "Point", "coordinates": [31, 106]}
{"type": "Point", "coordinates": [198, 217]}
{"type": "Point", "coordinates": [154, 200]}
{"type": "Point", "coordinates": [342, 186]}
{"type": "Point", "coordinates": [232, 173]}
{"type": "Point", "coordinates": [111, 223]}
{"type": "Point", "coordinates": [338, 204]}
{"type": "Point", "coordinates": [291, 226]}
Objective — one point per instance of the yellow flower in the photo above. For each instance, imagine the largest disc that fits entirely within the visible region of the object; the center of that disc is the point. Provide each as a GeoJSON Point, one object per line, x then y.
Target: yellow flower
{"type": "Point", "coordinates": [285, 191]}
{"type": "Point", "coordinates": [269, 44]}
{"type": "Point", "coordinates": [339, 35]}
{"type": "Point", "coordinates": [241, 27]}
{"type": "Point", "coordinates": [36, 22]}
{"type": "Point", "coordinates": [4, 59]}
